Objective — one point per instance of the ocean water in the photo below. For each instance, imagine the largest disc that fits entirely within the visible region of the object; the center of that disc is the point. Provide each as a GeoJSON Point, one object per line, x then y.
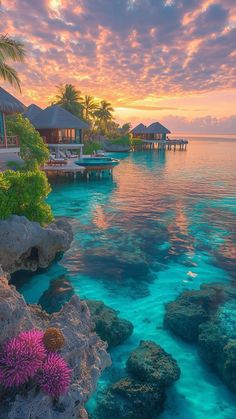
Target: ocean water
{"type": "Point", "coordinates": [165, 223]}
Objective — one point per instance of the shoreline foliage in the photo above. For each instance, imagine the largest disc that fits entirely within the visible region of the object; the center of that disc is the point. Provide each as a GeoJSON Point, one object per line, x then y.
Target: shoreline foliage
{"type": "Point", "coordinates": [32, 148]}
{"type": "Point", "coordinates": [24, 193]}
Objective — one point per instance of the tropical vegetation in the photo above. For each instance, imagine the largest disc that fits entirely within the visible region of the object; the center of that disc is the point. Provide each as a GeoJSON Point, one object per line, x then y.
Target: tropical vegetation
{"type": "Point", "coordinates": [32, 148]}
{"type": "Point", "coordinates": [12, 50]}
{"type": "Point", "coordinates": [103, 116]}
{"type": "Point", "coordinates": [89, 108]}
{"type": "Point", "coordinates": [24, 193]}
{"type": "Point", "coordinates": [70, 99]}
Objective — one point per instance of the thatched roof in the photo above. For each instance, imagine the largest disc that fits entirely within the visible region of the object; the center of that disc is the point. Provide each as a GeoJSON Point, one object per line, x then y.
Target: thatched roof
{"type": "Point", "coordinates": [9, 104]}
{"type": "Point", "coordinates": [32, 111]}
{"type": "Point", "coordinates": [56, 117]}
{"type": "Point", "coordinates": [140, 129]}
{"type": "Point", "coordinates": [157, 128]}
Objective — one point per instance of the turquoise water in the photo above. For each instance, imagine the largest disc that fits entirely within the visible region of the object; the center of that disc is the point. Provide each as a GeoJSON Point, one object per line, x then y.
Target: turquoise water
{"type": "Point", "coordinates": [166, 222]}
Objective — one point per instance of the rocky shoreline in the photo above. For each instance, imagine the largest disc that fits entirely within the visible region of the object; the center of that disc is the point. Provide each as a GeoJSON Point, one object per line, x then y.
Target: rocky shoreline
{"type": "Point", "coordinates": [25, 245]}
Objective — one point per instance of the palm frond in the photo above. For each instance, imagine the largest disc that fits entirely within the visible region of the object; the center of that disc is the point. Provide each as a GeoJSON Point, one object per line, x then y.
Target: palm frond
{"type": "Point", "coordinates": [11, 48]}
{"type": "Point", "coordinates": [9, 74]}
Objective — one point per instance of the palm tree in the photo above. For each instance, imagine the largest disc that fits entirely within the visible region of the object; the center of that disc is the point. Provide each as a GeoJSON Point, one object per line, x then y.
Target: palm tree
{"type": "Point", "coordinates": [104, 115]}
{"type": "Point", "coordinates": [14, 51]}
{"type": "Point", "coordinates": [125, 129]}
{"type": "Point", "coordinates": [90, 106]}
{"type": "Point", "coordinates": [69, 98]}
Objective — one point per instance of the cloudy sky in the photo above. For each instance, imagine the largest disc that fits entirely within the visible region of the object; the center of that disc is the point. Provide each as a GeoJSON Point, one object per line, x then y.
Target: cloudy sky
{"type": "Point", "coordinates": [167, 60]}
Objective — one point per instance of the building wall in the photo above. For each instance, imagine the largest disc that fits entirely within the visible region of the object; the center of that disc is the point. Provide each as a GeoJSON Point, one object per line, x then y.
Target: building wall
{"type": "Point", "coordinates": [56, 136]}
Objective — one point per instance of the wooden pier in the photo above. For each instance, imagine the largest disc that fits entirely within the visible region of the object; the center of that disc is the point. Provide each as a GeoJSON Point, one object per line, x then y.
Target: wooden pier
{"type": "Point", "coordinates": [180, 145]}
{"type": "Point", "coordinates": [73, 170]}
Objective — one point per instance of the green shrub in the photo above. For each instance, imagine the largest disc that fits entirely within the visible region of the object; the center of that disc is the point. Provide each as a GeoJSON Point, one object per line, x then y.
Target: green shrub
{"type": "Point", "coordinates": [24, 193]}
{"type": "Point", "coordinates": [32, 148]}
{"type": "Point", "coordinates": [90, 147]}
{"type": "Point", "coordinates": [124, 140]}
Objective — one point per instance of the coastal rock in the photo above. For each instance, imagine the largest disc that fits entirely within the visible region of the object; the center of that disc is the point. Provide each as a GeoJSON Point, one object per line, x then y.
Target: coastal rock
{"type": "Point", "coordinates": [131, 399]}
{"type": "Point", "coordinates": [84, 351]}
{"type": "Point", "coordinates": [108, 325]}
{"type": "Point", "coordinates": [59, 292]}
{"type": "Point", "coordinates": [25, 245]}
{"type": "Point", "coordinates": [151, 364]}
{"type": "Point", "coordinates": [142, 393]}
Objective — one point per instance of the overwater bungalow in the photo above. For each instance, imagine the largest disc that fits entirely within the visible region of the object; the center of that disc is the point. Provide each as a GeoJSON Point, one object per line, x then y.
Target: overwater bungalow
{"type": "Point", "coordinates": [8, 105]}
{"type": "Point", "coordinates": [155, 131]}
{"type": "Point", "coordinates": [58, 126]}
{"type": "Point", "coordinates": [139, 131]}
{"type": "Point", "coordinates": [32, 111]}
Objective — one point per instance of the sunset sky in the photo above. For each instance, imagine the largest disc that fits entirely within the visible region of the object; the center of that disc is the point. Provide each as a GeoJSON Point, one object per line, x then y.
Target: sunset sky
{"type": "Point", "coordinates": [167, 60]}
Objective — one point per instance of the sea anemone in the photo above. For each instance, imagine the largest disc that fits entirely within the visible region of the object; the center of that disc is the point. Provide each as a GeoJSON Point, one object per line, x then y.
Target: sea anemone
{"type": "Point", "coordinates": [55, 375]}
{"type": "Point", "coordinates": [21, 358]}
{"type": "Point", "coordinates": [53, 339]}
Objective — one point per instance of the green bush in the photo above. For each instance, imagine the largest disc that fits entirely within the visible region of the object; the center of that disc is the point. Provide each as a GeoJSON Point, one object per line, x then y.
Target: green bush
{"type": "Point", "coordinates": [124, 140]}
{"type": "Point", "coordinates": [24, 193]}
{"type": "Point", "coordinates": [90, 147]}
{"type": "Point", "coordinates": [32, 148]}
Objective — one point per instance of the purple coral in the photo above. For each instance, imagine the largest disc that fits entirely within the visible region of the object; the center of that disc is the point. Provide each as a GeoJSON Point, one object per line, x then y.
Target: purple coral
{"type": "Point", "coordinates": [55, 376]}
{"type": "Point", "coordinates": [21, 358]}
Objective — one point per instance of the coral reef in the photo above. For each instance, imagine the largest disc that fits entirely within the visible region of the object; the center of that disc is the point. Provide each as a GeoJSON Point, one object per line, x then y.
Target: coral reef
{"type": "Point", "coordinates": [142, 393]}
{"type": "Point", "coordinates": [207, 317]}
{"type": "Point", "coordinates": [108, 325]}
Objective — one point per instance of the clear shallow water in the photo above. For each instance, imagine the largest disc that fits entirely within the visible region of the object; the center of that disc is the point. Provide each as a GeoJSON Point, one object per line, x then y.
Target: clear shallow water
{"type": "Point", "coordinates": [175, 213]}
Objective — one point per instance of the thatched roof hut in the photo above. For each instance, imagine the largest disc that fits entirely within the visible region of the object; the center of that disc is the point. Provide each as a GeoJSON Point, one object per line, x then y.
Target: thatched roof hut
{"type": "Point", "coordinates": [157, 128]}
{"type": "Point", "coordinates": [55, 117]}
{"type": "Point", "coordinates": [9, 104]}
{"type": "Point", "coordinates": [32, 111]}
{"type": "Point", "coordinates": [56, 125]}
{"type": "Point", "coordinates": [140, 129]}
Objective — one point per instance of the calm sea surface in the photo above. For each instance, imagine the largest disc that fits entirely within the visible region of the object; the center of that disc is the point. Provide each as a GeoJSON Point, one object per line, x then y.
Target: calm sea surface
{"type": "Point", "coordinates": [175, 213]}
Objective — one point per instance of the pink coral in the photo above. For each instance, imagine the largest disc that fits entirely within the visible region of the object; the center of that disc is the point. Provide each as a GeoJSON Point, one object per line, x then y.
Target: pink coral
{"type": "Point", "coordinates": [21, 358]}
{"type": "Point", "coordinates": [55, 376]}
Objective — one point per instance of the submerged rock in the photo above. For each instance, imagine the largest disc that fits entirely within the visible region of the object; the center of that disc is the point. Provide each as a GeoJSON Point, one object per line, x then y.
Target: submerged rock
{"type": "Point", "coordinates": [59, 292]}
{"type": "Point", "coordinates": [25, 245]}
{"type": "Point", "coordinates": [131, 399]}
{"type": "Point", "coordinates": [142, 393]}
{"type": "Point", "coordinates": [108, 325]}
{"type": "Point", "coordinates": [151, 364]}
{"type": "Point", "coordinates": [84, 351]}
{"type": "Point", "coordinates": [208, 317]}
{"type": "Point", "coordinates": [192, 308]}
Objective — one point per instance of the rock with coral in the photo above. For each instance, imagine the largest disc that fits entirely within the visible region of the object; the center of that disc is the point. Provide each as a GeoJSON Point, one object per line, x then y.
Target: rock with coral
{"type": "Point", "coordinates": [142, 393]}
{"type": "Point", "coordinates": [131, 399]}
{"type": "Point", "coordinates": [59, 292]}
{"type": "Point", "coordinates": [108, 325]}
{"type": "Point", "coordinates": [208, 317]}
{"type": "Point", "coordinates": [84, 353]}
{"type": "Point", "coordinates": [151, 364]}
{"type": "Point", "coordinates": [192, 308]}
{"type": "Point", "coordinates": [217, 343]}
{"type": "Point", "coordinates": [27, 245]}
